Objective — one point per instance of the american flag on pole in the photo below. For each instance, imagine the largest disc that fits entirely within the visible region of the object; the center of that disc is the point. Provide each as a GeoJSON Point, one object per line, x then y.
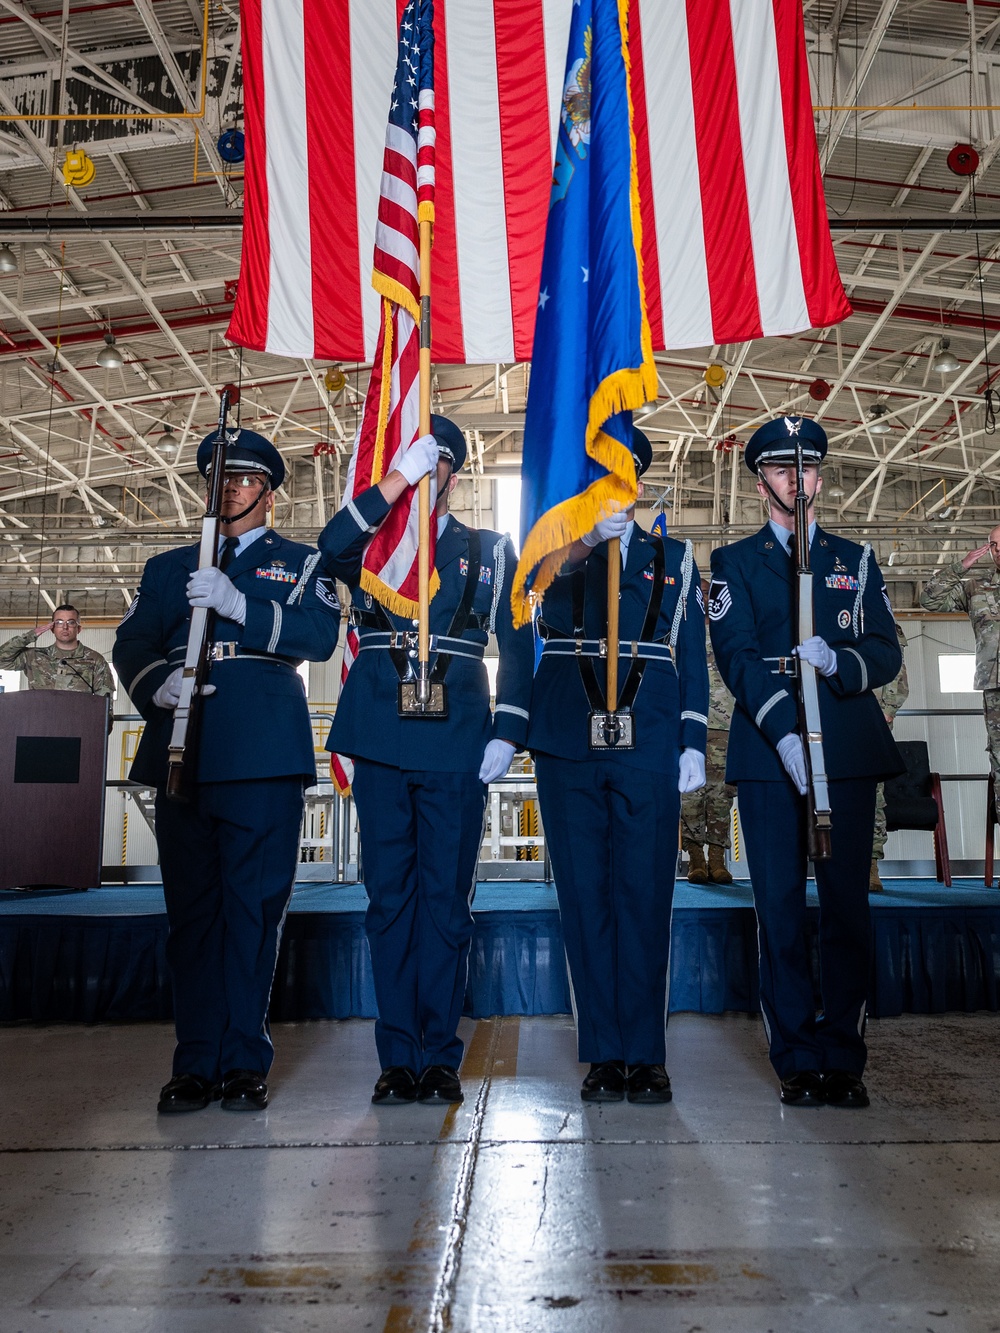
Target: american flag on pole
{"type": "Point", "coordinates": [735, 237]}
{"type": "Point", "coordinates": [342, 768]}
{"type": "Point", "coordinates": [390, 420]}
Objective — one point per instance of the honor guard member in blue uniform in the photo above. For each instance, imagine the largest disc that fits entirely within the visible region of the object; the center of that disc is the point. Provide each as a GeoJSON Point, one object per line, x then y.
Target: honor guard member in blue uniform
{"type": "Point", "coordinates": [228, 856]}
{"type": "Point", "coordinates": [818, 1058]}
{"type": "Point", "coordinates": [611, 813]}
{"type": "Point", "coordinates": [420, 784]}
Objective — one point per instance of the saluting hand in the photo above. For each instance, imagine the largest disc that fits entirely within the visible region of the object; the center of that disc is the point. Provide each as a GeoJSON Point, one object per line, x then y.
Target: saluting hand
{"type": "Point", "coordinates": [215, 590]}
{"type": "Point", "coordinates": [969, 560]}
{"type": "Point", "coordinates": [44, 629]}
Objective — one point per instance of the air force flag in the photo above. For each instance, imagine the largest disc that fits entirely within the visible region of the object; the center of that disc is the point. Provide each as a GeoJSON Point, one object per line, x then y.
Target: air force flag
{"type": "Point", "coordinates": [592, 361]}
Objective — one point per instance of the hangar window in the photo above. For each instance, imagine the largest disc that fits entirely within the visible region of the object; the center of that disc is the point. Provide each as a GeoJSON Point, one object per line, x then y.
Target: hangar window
{"type": "Point", "coordinates": [956, 672]}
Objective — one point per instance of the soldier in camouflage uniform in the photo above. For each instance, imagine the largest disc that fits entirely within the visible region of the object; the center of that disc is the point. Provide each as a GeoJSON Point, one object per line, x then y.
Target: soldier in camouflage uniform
{"type": "Point", "coordinates": [705, 813]}
{"type": "Point", "coordinates": [958, 587]}
{"type": "Point", "coordinates": [66, 664]}
{"type": "Point", "coordinates": [891, 697]}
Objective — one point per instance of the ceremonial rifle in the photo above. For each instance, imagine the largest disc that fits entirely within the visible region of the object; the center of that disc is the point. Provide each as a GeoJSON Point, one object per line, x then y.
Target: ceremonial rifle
{"type": "Point", "coordinates": [810, 724]}
{"type": "Point", "coordinates": [182, 752]}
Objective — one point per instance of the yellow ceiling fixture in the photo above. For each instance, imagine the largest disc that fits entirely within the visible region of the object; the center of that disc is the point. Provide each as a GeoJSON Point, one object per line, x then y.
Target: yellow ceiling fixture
{"type": "Point", "coordinates": [715, 375]}
{"type": "Point", "coordinates": [334, 379]}
{"type": "Point", "coordinates": [78, 169]}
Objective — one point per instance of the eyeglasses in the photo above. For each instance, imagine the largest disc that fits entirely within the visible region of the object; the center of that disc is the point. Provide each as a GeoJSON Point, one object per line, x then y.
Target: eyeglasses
{"type": "Point", "coordinates": [66, 624]}
{"type": "Point", "coordinates": [245, 481]}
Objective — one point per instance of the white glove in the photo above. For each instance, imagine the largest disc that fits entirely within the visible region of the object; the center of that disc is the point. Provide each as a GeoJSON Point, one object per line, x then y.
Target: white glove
{"type": "Point", "coordinates": [820, 654]}
{"type": "Point", "coordinates": [612, 526]}
{"type": "Point", "coordinates": [793, 756]}
{"type": "Point", "coordinates": [211, 588]}
{"type": "Point", "coordinates": [692, 770]}
{"type": "Point", "coordinates": [496, 760]}
{"type": "Point", "coordinates": [420, 459]}
{"type": "Point", "coordinates": [169, 693]}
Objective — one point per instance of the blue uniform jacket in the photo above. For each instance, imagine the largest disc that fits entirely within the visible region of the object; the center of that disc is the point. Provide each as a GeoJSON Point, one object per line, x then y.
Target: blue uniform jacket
{"type": "Point", "coordinates": [671, 708]}
{"type": "Point", "coordinates": [256, 724]}
{"type": "Point", "coordinates": [366, 725]}
{"type": "Point", "coordinates": [751, 618]}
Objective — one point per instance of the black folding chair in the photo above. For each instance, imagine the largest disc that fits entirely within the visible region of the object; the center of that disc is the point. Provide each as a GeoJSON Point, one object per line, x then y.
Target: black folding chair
{"type": "Point", "coordinates": [913, 801]}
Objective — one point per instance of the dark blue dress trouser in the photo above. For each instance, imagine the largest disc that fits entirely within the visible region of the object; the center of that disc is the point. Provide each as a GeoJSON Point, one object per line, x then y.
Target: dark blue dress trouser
{"type": "Point", "coordinates": [611, 832]}
{"type": "Point", "coordinates": [773, 817]}
{"type": "Point", "coordinates": [421, 834]}
{"type": "Point", "coordinates": [228, 860]}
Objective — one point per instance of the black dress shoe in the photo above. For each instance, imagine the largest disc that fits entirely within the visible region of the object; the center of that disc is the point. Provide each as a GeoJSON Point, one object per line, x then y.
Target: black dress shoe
{"type": "Point", "coordinates": [806, 1087]}
{"type": "Point", "coordinates": [396, 1085]}
{"type": "Point", "coordinates": [186, 1092]}
{"type": "Point", "coordinates": [244, 1090]}
{"type": "Point", "coordinates": [845, 1090]}
{"type": "Point", "coordinates": [604, 1083]}
{"type": "Point", "coordinates": [439, 1083]}
{"type": "Point", "coordinates": [648, 1084]}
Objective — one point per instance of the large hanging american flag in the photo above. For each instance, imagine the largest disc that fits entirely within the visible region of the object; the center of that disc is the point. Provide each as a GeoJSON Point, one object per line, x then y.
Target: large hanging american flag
{"type": "Point", "coordinates": [735, 238]}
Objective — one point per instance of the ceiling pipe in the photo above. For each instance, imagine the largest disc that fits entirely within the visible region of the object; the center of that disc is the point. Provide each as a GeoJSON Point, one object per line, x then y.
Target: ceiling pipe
{"type": "Point", "coordinates": [16, 228]}
{"type": "Point", "coordinates": [30, 346]}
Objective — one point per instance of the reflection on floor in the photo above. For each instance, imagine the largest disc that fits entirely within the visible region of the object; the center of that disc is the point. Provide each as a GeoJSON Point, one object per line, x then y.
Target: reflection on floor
{"type": "Point", "coordinates": [522, 1210]}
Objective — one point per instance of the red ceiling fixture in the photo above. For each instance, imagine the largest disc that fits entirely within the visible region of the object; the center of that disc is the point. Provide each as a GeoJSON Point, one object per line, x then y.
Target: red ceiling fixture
{"type": "Point", "coordinates": [819, 391]}
{"type": "Point", "coordinates": [727, 445]}
{"type": "Point", "coordinates": [963, 160]}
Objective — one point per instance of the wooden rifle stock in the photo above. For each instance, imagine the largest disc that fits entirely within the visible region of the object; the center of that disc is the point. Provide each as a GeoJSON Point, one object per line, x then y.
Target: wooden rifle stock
{"type": "Point", "coordinates": [810, 723]}
{"type": "Point", "coordinates": [182, 752]}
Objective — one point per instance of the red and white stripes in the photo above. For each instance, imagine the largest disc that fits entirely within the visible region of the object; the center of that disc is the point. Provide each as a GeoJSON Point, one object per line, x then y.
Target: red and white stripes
{"type": "Point", "coordinates": [735, 239]}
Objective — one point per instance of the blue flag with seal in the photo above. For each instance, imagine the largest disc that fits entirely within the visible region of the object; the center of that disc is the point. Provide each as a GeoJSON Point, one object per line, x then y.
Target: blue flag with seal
{"type": "Point", "coordinates": [592, 361]}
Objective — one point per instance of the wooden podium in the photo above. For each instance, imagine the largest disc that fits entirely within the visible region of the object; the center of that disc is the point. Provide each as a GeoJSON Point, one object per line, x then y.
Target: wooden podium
{"type": "Point", "coordinates": [53, 746]}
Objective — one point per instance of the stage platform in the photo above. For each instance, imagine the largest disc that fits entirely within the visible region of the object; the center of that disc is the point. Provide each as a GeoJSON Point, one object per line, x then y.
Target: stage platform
{"type": "Point", "coordinates": [99, 956]}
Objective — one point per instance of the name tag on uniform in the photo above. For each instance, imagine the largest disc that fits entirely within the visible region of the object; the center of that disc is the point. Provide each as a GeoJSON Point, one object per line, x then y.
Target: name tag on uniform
{"type": "Point", "coordinates": [842, 582]}
{"type": "Point", "coordinates": [276, 574]}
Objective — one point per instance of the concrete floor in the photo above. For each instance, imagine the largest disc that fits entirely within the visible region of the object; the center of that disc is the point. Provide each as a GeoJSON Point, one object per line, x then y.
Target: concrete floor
{"type": "Point", "coordinates": [523, 1210]}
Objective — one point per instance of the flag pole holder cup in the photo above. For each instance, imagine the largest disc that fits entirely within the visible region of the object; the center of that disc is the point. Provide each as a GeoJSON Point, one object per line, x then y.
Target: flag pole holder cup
{"type": "Point", "coordinates": [429, 702]}
{"type": "Point", "coordinates": [612, 731]}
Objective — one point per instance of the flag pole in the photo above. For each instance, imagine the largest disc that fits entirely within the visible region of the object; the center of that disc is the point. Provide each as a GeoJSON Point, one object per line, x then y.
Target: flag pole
{"type": "Point", "coordinates": [614, 583]}
{"type": "Point", "coordinates": [424, 488]}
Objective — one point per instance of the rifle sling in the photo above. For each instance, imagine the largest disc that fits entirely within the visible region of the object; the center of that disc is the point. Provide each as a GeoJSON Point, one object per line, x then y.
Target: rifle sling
{"type": "Point", "coordinates": [596, 696]}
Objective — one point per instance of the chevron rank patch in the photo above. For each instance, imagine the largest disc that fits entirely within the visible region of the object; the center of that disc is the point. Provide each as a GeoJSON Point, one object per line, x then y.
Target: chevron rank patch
{"type": "Point", "coordinates": [720, 599]}
{"type": "Point", "coordinates": [701, 599]}
{"type": "Point", "coordinates": [885, 598]}
{"type": "Point", "coordinates": [326, 591]}
{"type": "Point", "coordinates": [131, 610]}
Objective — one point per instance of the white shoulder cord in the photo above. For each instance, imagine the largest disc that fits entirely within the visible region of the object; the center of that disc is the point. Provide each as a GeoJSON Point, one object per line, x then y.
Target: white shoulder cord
{"type": "Point", "coordinates": [680, 611]}
{"type": "Point", "coordinates": [311, 562]}
{"type": "Point", "coordinates": [499, 569]}
{"type": "Point", "coordinates": [862, 580]}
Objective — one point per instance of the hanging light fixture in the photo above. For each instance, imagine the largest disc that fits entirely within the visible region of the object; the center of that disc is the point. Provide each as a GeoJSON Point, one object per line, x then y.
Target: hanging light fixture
{"type": "Point", "coordinates": [876, 425]}
{"type": "Point", "coordinates": [109, 356]}
{"type": "Point", "coordinates": [169, 445]}
{"type": "Point", "coordinates": [8, 260]}
{"type": "Point", "coordinates": [946, 362]}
